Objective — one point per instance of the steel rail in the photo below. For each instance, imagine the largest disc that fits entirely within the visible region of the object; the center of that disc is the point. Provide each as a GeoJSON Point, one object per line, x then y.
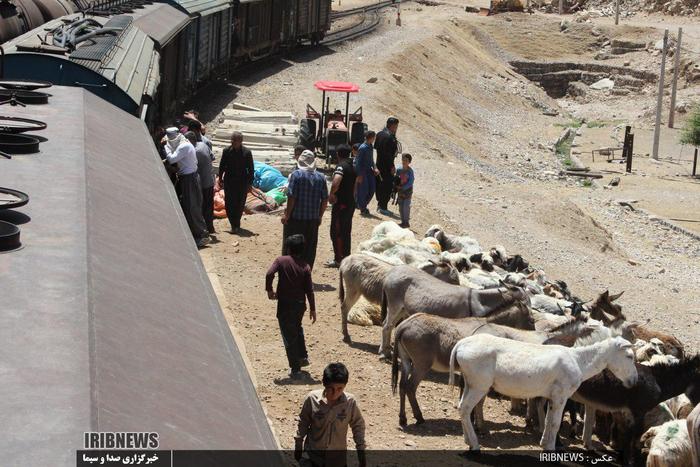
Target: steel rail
{"type": "Point", "coordinates": [354, 31]}
{"type": "Point", "coordinates": [362, 9]}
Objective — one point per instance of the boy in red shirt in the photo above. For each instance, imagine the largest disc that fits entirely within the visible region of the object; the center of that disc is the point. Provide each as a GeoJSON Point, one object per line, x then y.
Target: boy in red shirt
{"type": "Point", "coordinates": [293, 288]}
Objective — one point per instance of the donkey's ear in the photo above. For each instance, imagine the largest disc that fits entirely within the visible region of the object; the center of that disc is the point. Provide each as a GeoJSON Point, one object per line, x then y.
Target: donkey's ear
{"type": "Point", "coordinates": [605, 294]}
{"type": "Point", "coordinates": [615, 297]}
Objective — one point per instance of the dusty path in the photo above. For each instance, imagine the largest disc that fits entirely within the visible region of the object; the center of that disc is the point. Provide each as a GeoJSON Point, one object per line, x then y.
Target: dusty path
{"type": "Point", "coordinates": [479, 140]}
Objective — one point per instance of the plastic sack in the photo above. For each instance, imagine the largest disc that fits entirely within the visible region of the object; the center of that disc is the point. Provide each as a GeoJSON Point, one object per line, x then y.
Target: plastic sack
{"type": "Point", "coordinates": [278, 194]}
{"type": "Point", "coordinates": [267, 178]}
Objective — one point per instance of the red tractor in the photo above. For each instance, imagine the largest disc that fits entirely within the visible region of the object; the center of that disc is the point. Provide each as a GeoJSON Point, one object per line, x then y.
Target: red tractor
{"type": "Point", "coordinates": [323, 132]}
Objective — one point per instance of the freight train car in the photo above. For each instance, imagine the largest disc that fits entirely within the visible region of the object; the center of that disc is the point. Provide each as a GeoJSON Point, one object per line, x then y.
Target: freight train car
{"type": "Point", "coordinates": [108, 56]}
{"type": "Point", "coordinates": [109, 320]}
{"type": "Point", "coordinates": [149, 58]}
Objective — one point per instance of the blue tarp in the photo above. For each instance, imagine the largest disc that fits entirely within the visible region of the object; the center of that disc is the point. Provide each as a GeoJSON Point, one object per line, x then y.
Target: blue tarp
{"type": "Point", "coordinates": [267, 178]}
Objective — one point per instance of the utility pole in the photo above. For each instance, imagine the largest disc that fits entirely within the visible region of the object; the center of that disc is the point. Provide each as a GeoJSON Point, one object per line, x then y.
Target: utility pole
{"type": "Point", "coordinates": [657, 125]}
{"type": "Point", "coordinates": [617, 12]}
{"type": "Point", "coordinates": [676, 70]}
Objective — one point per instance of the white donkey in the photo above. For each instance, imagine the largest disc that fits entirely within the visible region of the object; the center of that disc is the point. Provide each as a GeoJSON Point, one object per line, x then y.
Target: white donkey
{"type": "Point", "coordinates": [525, 371]}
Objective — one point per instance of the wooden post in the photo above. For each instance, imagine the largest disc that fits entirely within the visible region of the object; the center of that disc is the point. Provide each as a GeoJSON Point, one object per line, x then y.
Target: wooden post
{"type": "Point", "coordinates": [695, 160]}
{"type": "Point", "coordinates": [617, 12]}
{"type": "Point", "coordinates": [659, 101]}
{"type": "Point", "coordinates": [676, 68]}
{"type": "Point", "coordinates": [630, 150]}
{"type": "Point", "coordinates": [561, 7]}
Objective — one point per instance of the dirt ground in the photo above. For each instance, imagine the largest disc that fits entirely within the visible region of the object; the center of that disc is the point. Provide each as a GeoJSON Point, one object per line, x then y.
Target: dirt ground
{"type": "Point", "coordinates": [484, 167]}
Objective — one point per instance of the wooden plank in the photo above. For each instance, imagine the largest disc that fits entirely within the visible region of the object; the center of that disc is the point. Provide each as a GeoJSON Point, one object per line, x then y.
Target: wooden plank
{"type": "Point", "coordinates": [583, 174]}
{"type": "Point", "coordinates": [239, 106]}
{"type": "Point", "coordinates": [244, 115]}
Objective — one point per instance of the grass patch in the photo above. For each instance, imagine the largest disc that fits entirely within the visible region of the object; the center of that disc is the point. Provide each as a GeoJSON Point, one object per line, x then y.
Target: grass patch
{"type": "Point", "coordinates": [596, 124]}
{"type": "Point", "coordinates": [587, 183]}
{"type": "Point", "coordinates": [574, 123]}
{"type": "Point", "coordinates": [563, 149]}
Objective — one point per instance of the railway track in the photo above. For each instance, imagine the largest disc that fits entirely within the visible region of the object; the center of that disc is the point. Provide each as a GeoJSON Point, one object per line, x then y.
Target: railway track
{"type": "Point", "coordinates": [362, 9]}
{"type": "Point", "coordinates": [371, 21]}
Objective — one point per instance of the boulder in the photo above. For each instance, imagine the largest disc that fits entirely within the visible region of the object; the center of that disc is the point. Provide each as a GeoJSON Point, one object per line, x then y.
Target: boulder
{"type": "Point", "coordinates": [603, 84]}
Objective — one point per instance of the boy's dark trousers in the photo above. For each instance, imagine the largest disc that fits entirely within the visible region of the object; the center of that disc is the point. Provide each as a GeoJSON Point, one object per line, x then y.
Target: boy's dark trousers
{"type": "Point", "coordinates": [289, 315]}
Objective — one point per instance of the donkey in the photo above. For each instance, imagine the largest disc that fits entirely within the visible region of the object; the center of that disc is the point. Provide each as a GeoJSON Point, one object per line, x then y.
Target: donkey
{"type": "Point", "coordinates": [525, 371]}
{"type": "Point", "coordinates": [603, 309]}
{"type": "Point", "coordinates": [363, 275]}
{"type": "Point", "coordinates": [655, 384]}
{"type": "Point", "coordinates": [407, 291]}
{"type": "Point", "coordinates": [424, 342]}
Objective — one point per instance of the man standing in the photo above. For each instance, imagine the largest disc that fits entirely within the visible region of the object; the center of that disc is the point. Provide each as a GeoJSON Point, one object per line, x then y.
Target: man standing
{"type": "Point", "coordinates": [386, 146]}
{"type": "Point", "coordinates": [236, 171]}
{"type": "Point", "coordinates": [181, 152]}
{"type": "Point", "coordinates": [206, 173]}
{"type": "Point", "coordinates": [342, 197]}
{"type": "Point", "coordinates": [366, 173]}
{"type": "Point", "coordinates": [307, 199]}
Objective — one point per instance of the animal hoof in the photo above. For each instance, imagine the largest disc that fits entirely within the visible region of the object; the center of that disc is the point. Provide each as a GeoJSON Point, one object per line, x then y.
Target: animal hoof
{"type": "Point", "coordinates": [347, 340]}
{"type": "Point", "coordinates": [385, 358]}
{"type": "Point", "coordinates": [403, 421]}
{"type": "Point", "coordinates": [420, 421]}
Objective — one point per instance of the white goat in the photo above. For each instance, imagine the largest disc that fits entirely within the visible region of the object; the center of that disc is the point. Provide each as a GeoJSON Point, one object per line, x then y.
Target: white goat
{"type": "Point", "coordinates": [669, 445]}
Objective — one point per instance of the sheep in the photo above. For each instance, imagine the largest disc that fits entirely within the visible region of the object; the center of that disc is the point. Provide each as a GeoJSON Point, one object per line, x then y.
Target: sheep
{"type": "Point", "coordinates": [481, 279]}
{"type": "Point", "coordinates": [693, 427]}
{"type": "Point", "coordinates": [519, 279]}
{"type": "Point", "coordinates": [643, 351]}
{"type": "Point", "coordinates": [487, 260]}
{"type": "Point", "coordinates": [548, 304]}
{"type": "Point", "coordinates": [660, 359]}
{"type": "Point", "coordinates": [669, 445]}
{"type": "Point", "coordinates": [453, 243]}
{"type": "Point", "coordinates": [458, 260]}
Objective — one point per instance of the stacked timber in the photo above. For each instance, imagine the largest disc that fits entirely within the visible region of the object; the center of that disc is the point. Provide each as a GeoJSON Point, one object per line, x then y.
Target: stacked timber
{"type": "Point", "coordinates": [271, 136]}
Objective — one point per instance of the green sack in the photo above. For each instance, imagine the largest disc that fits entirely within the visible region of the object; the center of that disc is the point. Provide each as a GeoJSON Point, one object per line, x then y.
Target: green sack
{"type": "Point", "coordinates": [278, 194]}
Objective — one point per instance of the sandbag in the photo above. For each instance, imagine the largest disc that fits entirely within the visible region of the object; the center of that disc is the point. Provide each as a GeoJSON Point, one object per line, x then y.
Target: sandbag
{"type": "Point", "coordinates": [267, 177]}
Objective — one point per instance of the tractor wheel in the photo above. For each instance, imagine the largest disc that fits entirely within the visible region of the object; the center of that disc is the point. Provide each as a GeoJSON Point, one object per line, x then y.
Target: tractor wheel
{"type": "Point", "coordinates": [357, 135]}
{"type": "Point", "coordinates": [307, 133]}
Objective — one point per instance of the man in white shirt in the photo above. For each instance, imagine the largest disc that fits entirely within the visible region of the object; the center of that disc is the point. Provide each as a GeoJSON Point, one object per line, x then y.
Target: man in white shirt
{"type": "Point", "coordinates": [181, 152]}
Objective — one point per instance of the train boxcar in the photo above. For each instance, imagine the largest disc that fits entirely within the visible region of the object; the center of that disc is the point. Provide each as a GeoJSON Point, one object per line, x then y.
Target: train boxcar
{"type": "Point", "coordinates": [108, 56]}
{"type": "Point", "coordinates": [109, 320]}
{"type": "Point", "coordinates": [168, 27]}
{"type": "Point", "coordinates": [313, 19]}
{"type": "Point", "coordinates": [208, 48]}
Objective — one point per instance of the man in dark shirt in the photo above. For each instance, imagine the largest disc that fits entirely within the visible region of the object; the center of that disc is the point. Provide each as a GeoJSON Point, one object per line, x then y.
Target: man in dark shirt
{"type": "Point", "coordinates": [342, 196]}
{"type": "Point", "coordinates": [236, 171]}
{"type": "Point", "coordinates": [387, 147]}
{"type": "Point", "coordinates": [293, 286]}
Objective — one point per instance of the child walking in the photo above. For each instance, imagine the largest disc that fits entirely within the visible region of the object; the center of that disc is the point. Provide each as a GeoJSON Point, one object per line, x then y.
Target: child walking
{"type": "Point", "coordinates": [405, 174]}
{"type": "Point", "coordinates": [324, 420]}
{"type": "Point", "coordinates": [293, 288]}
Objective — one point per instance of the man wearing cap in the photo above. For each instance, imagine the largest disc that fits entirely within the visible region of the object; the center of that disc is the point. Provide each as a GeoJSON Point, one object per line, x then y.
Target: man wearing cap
{"type": "Point", "coordinates": [342, 196]}
{"type": "Point", "coordinates": [180, 151]}
{"type": "Point", "coordinates": [307, 199]}
{"type": "Point", "coordinates": [236, 170]}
